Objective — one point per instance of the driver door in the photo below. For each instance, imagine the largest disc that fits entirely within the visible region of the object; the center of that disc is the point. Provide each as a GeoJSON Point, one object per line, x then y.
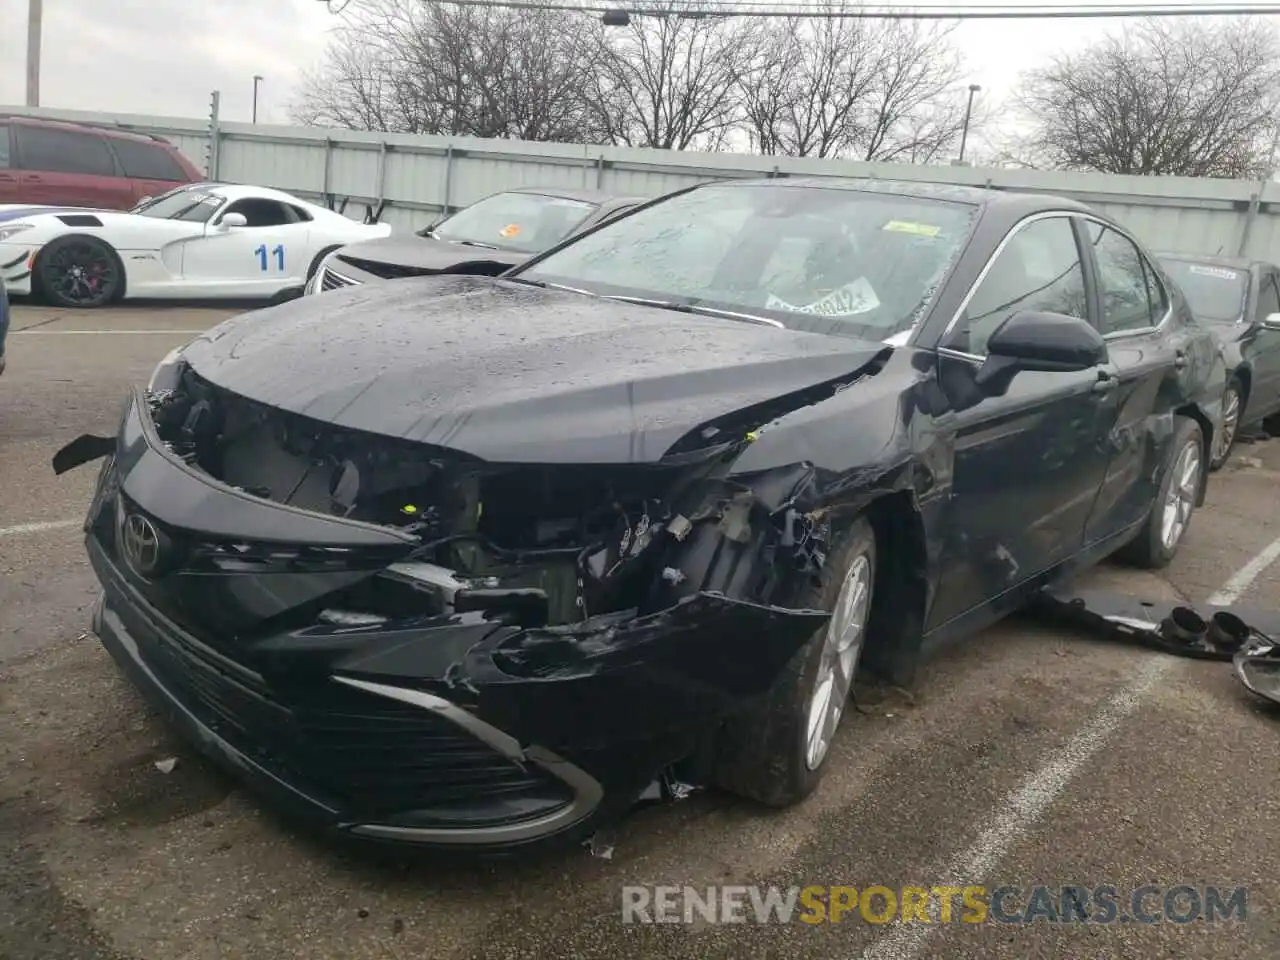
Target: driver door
{"type": "Point", "coordinates": [270, 253]}
{"type": "Point", "coordinates": [1028, 464]}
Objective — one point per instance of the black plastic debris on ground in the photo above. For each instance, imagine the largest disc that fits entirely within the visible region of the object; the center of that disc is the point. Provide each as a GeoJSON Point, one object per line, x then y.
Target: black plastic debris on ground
{"type": "Point", "coordinates": [1241, 634]}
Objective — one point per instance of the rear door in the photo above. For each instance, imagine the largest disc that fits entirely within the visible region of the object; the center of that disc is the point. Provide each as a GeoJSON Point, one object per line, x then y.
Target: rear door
{"type": "Point", "coordinates": [151, 169]}
{"type": "Point", "coordinates": [8, 171]}
{"type": "Point", "coordinates": [73, 168]}
{"type": "Point", "coordinates": [1157, 354]}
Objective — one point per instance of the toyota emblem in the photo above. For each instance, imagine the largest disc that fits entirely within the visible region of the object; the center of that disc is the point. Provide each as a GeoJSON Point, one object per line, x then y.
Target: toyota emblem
{"type": "Point", "coordinates": [140, 544]}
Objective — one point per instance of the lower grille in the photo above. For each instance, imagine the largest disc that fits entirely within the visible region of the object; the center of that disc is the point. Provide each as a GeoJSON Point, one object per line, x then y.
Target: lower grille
{"type": "Point", "coordinates": [333, 281]}
{"type": "Point", "coordinates": [377, 756]}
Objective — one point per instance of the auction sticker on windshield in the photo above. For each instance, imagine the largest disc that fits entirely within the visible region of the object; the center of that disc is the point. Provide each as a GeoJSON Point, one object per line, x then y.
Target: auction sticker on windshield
{"type": "Point", "coordinates": [1218, 273]}
{"type": "Point", "coordinates": [849, 300]}
{"type": "Point", "coordinates": [919, 229]}
{"type": "Point", "coordinates": [510, 230]}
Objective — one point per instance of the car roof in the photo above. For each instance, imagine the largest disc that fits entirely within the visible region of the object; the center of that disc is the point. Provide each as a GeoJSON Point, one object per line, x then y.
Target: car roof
{"type": "Point", "coordinates": [235, 191]}
{"type": "Point", "coordinates": [107, 129]}
{"type": "Point", "coordinates": [1006, 201]}
{"type": "Point", "coordinates": [1213, 260]}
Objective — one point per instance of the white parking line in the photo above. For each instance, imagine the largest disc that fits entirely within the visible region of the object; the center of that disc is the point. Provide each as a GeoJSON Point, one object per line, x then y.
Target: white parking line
{"type": "Point", "coordinates": [105, 333]}
{"type": "Point", "coordinates": [1013, 819]}
{"type": "Point", "coordinates": [22, 528]}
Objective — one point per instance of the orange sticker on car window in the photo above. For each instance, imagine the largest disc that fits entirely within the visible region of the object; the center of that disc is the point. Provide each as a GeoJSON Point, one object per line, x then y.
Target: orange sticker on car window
{"type": "Point", "coordinates": [510, 230]}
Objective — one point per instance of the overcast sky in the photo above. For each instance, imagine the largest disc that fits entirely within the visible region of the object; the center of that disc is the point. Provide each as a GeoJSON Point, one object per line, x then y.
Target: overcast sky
{"type": "Point", "coordinates": [163, 57]}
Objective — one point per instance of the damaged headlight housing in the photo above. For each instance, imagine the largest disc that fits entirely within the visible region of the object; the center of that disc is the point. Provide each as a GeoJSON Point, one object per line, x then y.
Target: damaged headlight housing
{"type": "Point", "coordinates": [168, 371]}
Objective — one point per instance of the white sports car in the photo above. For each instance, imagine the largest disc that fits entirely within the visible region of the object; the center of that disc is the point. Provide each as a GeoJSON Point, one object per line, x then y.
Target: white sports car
{"type": "Point", "coordinates": [202, 240]}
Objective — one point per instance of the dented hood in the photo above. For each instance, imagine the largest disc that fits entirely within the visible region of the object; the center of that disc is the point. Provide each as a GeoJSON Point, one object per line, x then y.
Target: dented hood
{"type": "Point", "coordinates": [510, 372]}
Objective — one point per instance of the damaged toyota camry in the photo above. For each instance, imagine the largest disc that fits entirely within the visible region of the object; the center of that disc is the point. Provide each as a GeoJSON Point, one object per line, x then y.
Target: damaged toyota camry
{"type": "Point", "coordinates": [470, 562]}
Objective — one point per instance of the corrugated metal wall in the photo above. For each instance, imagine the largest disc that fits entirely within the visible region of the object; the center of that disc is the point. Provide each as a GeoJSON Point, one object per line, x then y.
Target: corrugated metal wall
{"type": "Point", "coordinates": [416, 177]}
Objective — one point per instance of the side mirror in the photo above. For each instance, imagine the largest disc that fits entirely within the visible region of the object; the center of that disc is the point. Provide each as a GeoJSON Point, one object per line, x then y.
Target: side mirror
{"type": "Point", "coordinates": [230, 220]}
{"type": "Point", "coordinates": [1047, 342]}
{"type": "Point", "coordinates": [1272, 321]}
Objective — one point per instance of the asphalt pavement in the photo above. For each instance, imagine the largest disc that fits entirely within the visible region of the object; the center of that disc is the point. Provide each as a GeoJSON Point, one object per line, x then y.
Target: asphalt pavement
{"type": "Point", "coordinates": [1026, 756]}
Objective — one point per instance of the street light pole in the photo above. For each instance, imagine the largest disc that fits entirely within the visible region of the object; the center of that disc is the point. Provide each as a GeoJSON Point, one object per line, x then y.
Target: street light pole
{"type": "Point", "coordinates": [256, 80]}
{"type": "Point", "coordinates": [35, 23]}
{"type": "Point", "coordinates": [968, 112]}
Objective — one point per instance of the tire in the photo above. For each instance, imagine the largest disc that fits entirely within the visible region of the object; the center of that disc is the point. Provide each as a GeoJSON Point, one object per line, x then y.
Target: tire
{"type": "Point", "coordinates": [763, 754]}
{"type": "Point", "coordinates": [1232, 414]}
{"type": "Point", "coordinates": [79, 272]}
{"type": "Point", "coordinates": [1151, 549]}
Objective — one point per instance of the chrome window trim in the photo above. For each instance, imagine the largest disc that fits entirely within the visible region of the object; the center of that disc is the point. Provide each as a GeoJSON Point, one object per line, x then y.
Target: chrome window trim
{"type": "Point", "coordinates": [587, 792]}
{"type": "Point", "coordinates": [986, 269]}
{"type": "Point", "coordinates": [1008, 238]}
{"type": "Point", "coordinates": [1168, 295]}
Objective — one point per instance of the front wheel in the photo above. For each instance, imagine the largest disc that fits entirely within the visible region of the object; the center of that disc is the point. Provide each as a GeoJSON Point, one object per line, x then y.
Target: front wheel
{"type": "Point", "coordinates": [777, 753]}
{"type": "Point", "coordinates": [79, 272]}
{"type": "Point", "coordinates": [1175, 502]}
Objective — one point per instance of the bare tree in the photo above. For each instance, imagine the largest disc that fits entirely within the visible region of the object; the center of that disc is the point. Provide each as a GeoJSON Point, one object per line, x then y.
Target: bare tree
{"type": "Point", "coordinates": [675, 81]}
{"type": "Point", "coordinates": [850, 87]}
{"type": "Point", "coordinates": [426, 66]}
{"type": "Point", "coordinates": [1191, 99]}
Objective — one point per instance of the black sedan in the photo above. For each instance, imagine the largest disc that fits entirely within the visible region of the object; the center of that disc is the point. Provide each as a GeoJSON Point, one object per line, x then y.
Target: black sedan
{"type": "Point", "coordinates": [648, 500]}
{"type": "Point", "coordinates": [1240, 301]}
{"type": "Point", "coordinates": [486, 238]}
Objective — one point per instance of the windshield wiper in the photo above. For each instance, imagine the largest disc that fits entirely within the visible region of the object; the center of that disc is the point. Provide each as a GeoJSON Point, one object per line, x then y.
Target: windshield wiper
{"type": "Point", "coordinates": [547, 285]}
{"type": "Point", "coordinates": [699, 310]}
{"type": "Point", "coordinates": [473, 243]}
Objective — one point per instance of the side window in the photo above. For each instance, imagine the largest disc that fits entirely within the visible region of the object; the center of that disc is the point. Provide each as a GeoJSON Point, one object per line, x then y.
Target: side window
{"type": "Point", "coordinates": [64, 151]}
{"type": "Point", "coordinates": [1268, 297]}
{"type": "Point", "coordinates": [261, 212]}
{"type": "Point", "coordinates": [1038, 269]}
{"type": "Point", "coordinates": [147, 161]}
{"type": "Point", "coordinates": [4, 145]}
{"type": "Point", "coordinates": [300, 214]}
{"type": "Point", "coordinates": [1124, 278]}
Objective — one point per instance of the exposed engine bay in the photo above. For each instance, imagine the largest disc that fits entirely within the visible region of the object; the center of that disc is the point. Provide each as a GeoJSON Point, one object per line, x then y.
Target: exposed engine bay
{"type": "Point", "coordinates": [539, 546]}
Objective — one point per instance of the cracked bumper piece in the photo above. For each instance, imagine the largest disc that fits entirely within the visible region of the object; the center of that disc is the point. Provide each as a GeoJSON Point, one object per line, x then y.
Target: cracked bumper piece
{"type": "Point", "coordinates": [457, 729]}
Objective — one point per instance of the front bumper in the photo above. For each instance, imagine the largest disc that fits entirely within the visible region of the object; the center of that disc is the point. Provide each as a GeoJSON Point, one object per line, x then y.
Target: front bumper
{"type": "Point", "coordinates": [455, 731]}
{"type": "Point", "coordinates": [15, 267]}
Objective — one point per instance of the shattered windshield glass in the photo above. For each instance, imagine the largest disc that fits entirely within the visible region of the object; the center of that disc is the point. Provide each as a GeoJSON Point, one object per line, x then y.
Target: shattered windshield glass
{"type": "Point", "coordinates": [1214, 293]}
{"type": "Point", "coordinates": [528, 222]}
{"type": "Point", "coordinates": [827, 260]}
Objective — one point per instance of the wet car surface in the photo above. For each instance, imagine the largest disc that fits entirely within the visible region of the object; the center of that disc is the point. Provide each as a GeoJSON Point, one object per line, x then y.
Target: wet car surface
{"type": "Point", "coordinates": [108, 857]}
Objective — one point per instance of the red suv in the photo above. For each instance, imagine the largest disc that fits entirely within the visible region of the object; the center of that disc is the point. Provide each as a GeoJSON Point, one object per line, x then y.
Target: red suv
{"type": "Point", "coordinates": [79, 165]}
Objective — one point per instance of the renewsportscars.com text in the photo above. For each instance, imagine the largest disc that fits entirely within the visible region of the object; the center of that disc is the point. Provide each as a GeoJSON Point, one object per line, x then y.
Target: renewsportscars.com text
{"type": "Point", "coordinates": [945, 903]}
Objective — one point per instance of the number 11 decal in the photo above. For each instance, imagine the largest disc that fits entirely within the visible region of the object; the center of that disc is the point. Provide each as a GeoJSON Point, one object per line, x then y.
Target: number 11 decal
{"type": "Point", "coordinates": [277, 251]}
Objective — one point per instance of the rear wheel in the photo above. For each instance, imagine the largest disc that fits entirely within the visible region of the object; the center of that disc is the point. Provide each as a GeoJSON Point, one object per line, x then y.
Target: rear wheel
{"type": "Point", "coordinates": [777, 753]}
{"type": "Point", "coordinates": [1232, 409]}
{"type": "Point", "coordinates": [1158, 541]}
{"type": "Point", "coordinates": [79, 272]}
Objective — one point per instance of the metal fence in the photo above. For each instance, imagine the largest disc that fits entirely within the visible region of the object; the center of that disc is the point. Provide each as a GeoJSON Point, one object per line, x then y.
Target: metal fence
{"type": "Point", "coordinates": [409, 180]}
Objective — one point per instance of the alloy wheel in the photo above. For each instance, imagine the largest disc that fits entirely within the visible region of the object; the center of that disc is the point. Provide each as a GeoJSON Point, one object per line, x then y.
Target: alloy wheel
{"type": "Point", "coordinates": [1230, 423]}
{"type": "Point", "coordinates": [841, 645]}
{"type": "Point", "coordinates": [81, 273]}
{"type": "Point", "coordinates": [1181, 497]}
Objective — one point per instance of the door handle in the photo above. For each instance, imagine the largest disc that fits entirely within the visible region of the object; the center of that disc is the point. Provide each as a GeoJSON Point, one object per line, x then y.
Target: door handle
{"type": "Point", "coordinates": [33, 178]}
{"type": "Point", "coordinates": [1180, 360]}
{"type": "Point", "coordinates": [1105, 382]}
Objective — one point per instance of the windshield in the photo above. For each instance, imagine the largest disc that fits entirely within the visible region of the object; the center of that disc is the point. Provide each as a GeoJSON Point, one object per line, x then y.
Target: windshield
{"type": "Point", "coordinates": [528, 222]}
{"type": "Point", "coordinates": [1214, 293]}
{"type": "Point", "coordinates": [844, 262]}
{"type": "Point", "coordinates": [181, 204]}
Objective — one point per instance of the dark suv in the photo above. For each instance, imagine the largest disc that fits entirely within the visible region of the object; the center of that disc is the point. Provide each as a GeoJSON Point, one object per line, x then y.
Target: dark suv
{"type": "Point", "coordinates": [78, 165]}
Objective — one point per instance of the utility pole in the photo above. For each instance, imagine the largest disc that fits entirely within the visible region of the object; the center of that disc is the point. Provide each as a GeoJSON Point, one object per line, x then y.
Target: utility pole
{"type": "Point", "coordinates": [35, 23]}
{"type": "Point", "coordinates": [968, 112]}
{"type": "Point", "coordinates": [256, 80]}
